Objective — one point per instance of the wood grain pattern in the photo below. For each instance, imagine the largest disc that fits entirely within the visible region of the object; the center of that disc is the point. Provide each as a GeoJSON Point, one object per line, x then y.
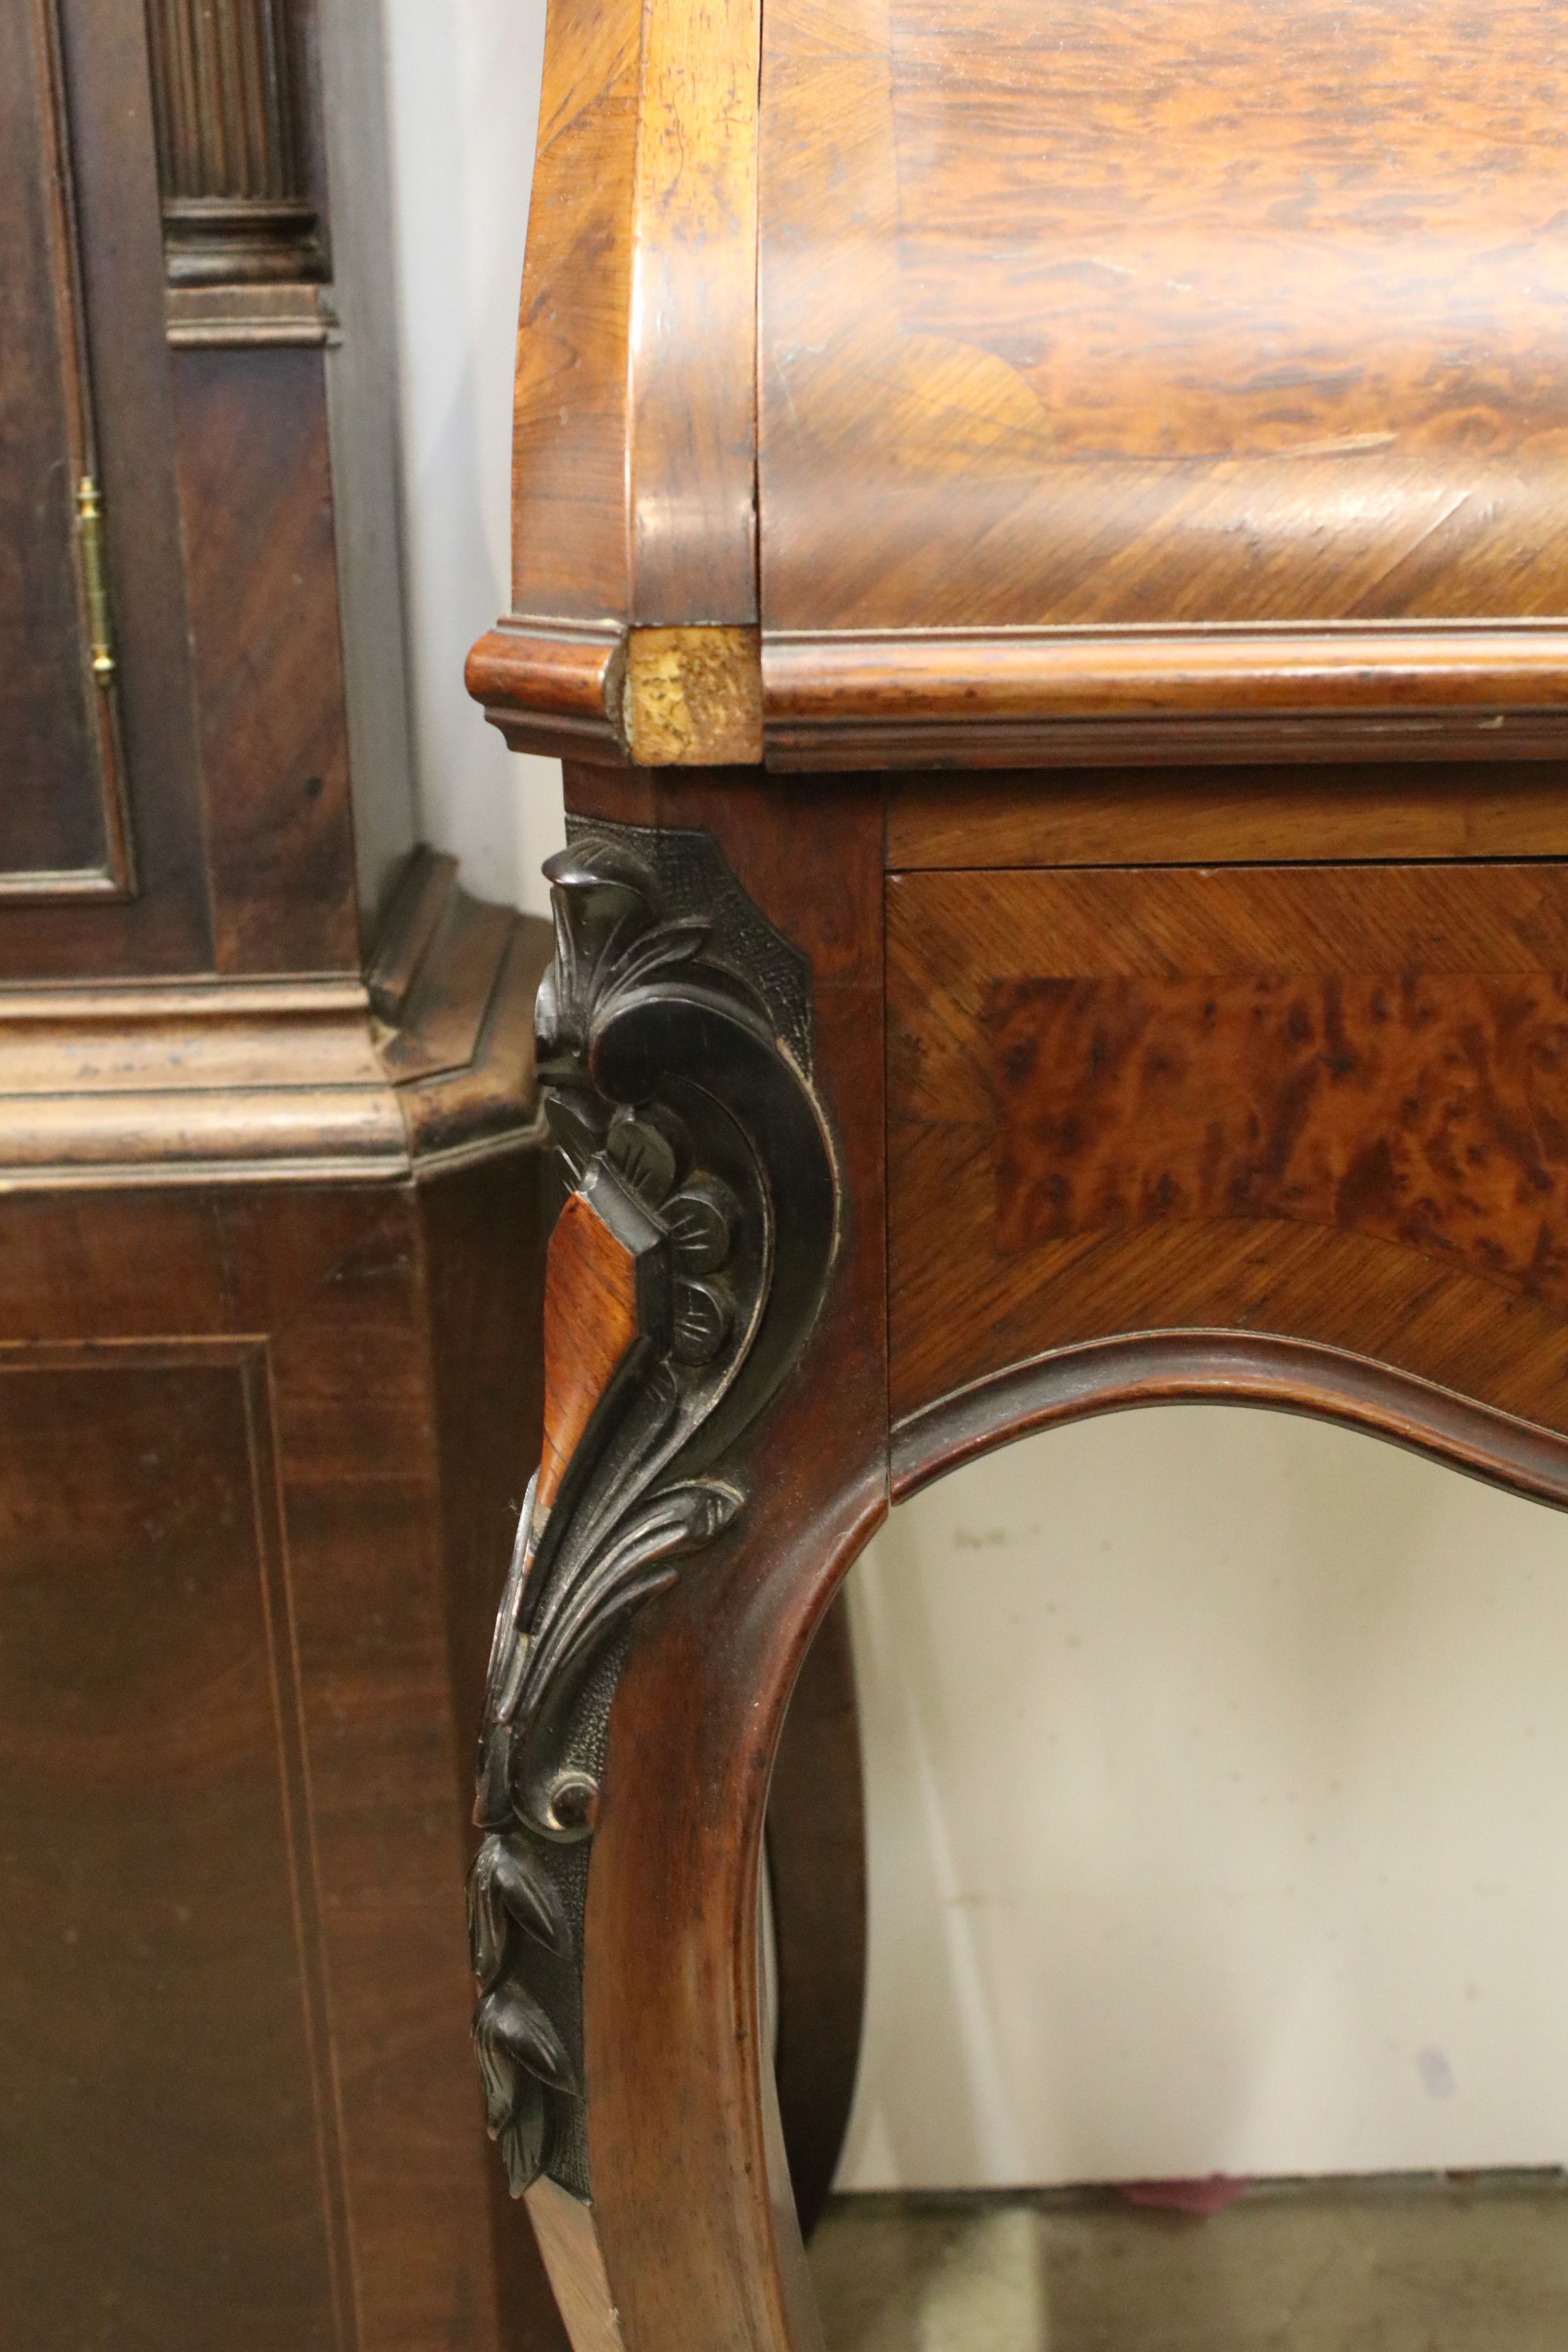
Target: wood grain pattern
{"type": "Point", "coordinates": [1162, 284]}
{"type": "Point", "coordinates": [1186, 817]}
{"type": "Point", "coordinates": [590, 1321]}
{"type": "Point", "coordinates": [634, 418]}
{"type": "Point", "coordinates": [1046, 697]}
{"type": "Point", "coordinates": [1179, 386]}
{"type": "Point", "coordinates": [1339, 1117]}
{"type": "Point", "coordinates": [1183, 317]}
{"type": "Point", "coordinates": [693, 340]}
{"type": "Point", "coordinates": [255, 491]}
{"type": "Point", "coordinates": [151, 1750]}
{"type": "Point", "coordinates": [321, 1293]}
{"type": "Point", "coordinates": [692, 2201]}
{"type": "Point", "coordinates": [482, 1229]}
{"type": "Point", "coordinates": [569, 413]}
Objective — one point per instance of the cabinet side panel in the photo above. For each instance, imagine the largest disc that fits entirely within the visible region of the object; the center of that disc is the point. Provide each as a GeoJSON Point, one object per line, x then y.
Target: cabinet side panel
{"type": "Point", "coordinates": [151, 1969]}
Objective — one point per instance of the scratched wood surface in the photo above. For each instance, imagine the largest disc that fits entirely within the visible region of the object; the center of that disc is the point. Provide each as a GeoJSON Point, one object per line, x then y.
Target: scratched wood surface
{"type": "Point", "coordinates": [1322, 1102]}
{"type": "Point", "coordinates": [1195, 311]}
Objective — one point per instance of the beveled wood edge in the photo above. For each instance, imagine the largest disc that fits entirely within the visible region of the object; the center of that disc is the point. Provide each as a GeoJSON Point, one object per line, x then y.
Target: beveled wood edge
{"type": "Point", "coordinates": [1227, 1366]}
{"type": "Point", "coordinates": [1302, 740]}
{"type": "Point", "coordinates": [1163, 694]}
{"type": "Point", "coordinates": [249, 317]}
{"type": "Point", "coordinates": [51, 886]}
{"type": "Point", "coordinates": [553, 686]}
{"type": "Point", "coordinates": [651, 697]}
{"type": "Point", "coordinates": [214, 1081]}
{"type": "Point", "coordinates": [1028, 699]}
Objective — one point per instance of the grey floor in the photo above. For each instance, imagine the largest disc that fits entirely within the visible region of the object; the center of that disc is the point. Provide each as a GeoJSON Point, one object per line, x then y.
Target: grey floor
{"type": "Point", "coordinates": [1375, 2266]}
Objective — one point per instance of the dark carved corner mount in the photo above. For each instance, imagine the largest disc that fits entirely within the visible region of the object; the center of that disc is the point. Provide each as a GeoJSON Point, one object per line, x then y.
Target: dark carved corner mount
{"type": "Point", "coordinates": [686, 1272]}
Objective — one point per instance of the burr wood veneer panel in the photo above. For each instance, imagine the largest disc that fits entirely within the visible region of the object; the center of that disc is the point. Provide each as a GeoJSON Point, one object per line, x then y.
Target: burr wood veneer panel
{"type": "Point", "coordinates": [1326, 1102]}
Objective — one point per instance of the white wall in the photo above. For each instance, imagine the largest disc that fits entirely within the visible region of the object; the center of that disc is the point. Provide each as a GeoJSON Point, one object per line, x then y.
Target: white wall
{"type": "Point", "coordinates": [1217, 1775]}
{"type": "Point", "coordinates": [1218, 1764]}
{"type": "Point", "coordinates": [463, 87]}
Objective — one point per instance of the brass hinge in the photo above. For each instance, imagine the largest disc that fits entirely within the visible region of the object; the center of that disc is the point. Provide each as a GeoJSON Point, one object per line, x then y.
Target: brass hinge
{"type": "Point", "coordinates": [89, 518]}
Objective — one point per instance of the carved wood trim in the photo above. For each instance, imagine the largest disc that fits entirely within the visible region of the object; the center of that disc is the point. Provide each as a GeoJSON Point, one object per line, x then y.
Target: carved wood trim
{"type": "Point", "coordinates": [229, 95]}
{"type": "Point", "coordinates": [1228, 1368]}
{"type": "Point", "coordinates": [685, 1275]}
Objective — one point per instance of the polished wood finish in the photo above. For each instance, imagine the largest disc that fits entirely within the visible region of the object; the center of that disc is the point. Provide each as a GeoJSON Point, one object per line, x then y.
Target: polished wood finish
{"type": "Point", "coordinates": [1233, 1368]}
{"type": "Point", "coordinates": [273, 1081]}
{"type": "Point", "coordinates": [647, 161]}
{"type": "Point", "coordinates": [670, 1985]}
{"type": "Point", "coordinates": [146, 1656]}
{"type": "Point", "coordinates": [590, 1321]}
{"type": "Point", "coordinates": [1314, 1100]}
{"type": "Point", "coordinates": [1200, 817]}
{"type": "Point", "coordinates": [1143, 295]}
{"type": "Point", "coordinates": [1175, 389]}
{"type": "Point", "coordinates": [1159, 656]}
{"type": "Point", "coordinates": [1067, 697]}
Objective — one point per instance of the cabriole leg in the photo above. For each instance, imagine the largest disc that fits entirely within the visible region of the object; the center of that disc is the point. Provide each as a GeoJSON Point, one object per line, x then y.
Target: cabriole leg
{"type": "Point", "coordinates": [714, 1456]}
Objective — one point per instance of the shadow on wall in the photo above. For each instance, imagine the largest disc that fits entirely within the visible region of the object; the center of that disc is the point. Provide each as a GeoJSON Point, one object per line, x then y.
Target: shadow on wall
{"type": "Point", "coordinates": [463, 84]}
{"type": "Point", "coordinates": [1213, 1761]}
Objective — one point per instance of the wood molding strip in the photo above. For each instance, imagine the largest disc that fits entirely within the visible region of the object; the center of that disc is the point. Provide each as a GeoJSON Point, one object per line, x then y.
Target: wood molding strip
{"type": "Point", "coordinates": [1228, 1367]}
{"type": "Point", "coordinates": [1067, 698]}
{"type": "Point", "coordinates": [1070, 695]}
{"type": "Point", "coordinates": [551, 685]}
{"type": "Point", "coordinates": [295, 1080]}
{"type": "Point", "coordinates": [249, 317]}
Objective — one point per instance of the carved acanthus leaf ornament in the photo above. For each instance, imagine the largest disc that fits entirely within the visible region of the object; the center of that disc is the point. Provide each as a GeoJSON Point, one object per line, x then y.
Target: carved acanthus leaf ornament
{"type": "Point", "coordinates": [685, 1274]}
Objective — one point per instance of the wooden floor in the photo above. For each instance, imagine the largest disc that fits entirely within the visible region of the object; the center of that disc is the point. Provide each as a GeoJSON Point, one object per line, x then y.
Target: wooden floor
{"type": "Point", "coordinates": [1390, 2265]}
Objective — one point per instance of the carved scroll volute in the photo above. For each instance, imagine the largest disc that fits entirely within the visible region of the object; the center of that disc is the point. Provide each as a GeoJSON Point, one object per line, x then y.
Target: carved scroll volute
{"type": "Point", "coordinates": [230, 106]}
{"type": "Point", "coordinates": [683, 1275]}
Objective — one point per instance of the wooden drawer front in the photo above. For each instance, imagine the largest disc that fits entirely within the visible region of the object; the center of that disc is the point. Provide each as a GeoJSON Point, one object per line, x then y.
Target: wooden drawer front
{"type": "Point", "coordinates": [1326, 1102]}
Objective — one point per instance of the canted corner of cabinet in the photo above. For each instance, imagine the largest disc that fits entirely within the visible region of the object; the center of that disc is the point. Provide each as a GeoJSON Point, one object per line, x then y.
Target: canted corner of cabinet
{"type": "Point", "coordinates": [694, 698]}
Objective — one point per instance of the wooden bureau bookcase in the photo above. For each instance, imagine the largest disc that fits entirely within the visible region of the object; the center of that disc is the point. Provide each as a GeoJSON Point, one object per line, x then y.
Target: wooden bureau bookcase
{"type": "Point", "coordinates": [1039, 537]}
